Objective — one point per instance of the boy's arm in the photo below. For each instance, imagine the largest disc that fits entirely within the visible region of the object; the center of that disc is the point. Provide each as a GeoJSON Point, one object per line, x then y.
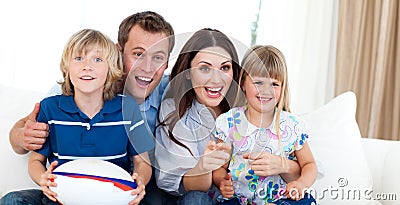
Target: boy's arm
{"type": "Point", "coordinates": [27, 134]}
{"type": "Point", "coordinates": [141, 163]}
{"type": "Point", "coordinates": [141, 174]}
{"type": "Point", "coordinates": [36, 166]}
{"type": "Point", "coordinates": [41, 175]}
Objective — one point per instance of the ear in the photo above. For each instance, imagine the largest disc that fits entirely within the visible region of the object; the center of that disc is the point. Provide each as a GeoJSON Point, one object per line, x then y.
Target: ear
{"type": "Point", "coordinates": [119, 47]}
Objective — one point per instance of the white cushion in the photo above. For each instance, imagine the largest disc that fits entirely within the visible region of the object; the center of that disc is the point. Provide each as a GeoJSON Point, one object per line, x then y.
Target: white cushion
{"type": "Point", "coordinates": [14, 105]}
{"type": "Point", "coordinates": [335, 141]}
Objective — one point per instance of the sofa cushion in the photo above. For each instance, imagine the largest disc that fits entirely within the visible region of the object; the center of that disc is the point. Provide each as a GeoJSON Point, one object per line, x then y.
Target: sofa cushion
{"type": "Point", "coordinates": [335, 141]}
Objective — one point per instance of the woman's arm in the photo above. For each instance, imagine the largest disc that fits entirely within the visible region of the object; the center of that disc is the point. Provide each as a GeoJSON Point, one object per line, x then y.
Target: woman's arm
{"type": "Point", "coordinates": [200, 177]}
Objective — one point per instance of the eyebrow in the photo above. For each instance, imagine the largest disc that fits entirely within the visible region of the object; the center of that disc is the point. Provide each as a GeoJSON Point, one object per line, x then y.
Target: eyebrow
{"type": "Point", "coordinates": [146, 51]}
{"type": "Point", "coordinates": [205, 62]}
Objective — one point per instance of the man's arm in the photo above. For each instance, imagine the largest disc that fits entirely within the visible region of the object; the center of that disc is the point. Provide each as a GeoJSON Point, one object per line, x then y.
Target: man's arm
{"type": "Point", "coordinates": [141, 174]}
{"type": "Point", "coordinates": [27, 134]}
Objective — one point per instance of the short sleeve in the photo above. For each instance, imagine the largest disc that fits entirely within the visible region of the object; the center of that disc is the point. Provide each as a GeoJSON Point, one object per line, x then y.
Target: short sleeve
{"type": "Point", "coordinates": [140, 138]}
{"type": "Point", "coordinates": [302, 132]}
{"type": "Point", "coordinates": [221, 131]}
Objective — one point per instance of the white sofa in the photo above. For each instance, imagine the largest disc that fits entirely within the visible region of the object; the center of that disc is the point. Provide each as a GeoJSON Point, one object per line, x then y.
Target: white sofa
{"type": "Point", "coordinates": [353, 166]}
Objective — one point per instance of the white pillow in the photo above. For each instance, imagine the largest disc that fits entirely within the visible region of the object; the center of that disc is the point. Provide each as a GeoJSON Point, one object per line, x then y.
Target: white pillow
{"type": "Point", "coordinates": [335, 141]}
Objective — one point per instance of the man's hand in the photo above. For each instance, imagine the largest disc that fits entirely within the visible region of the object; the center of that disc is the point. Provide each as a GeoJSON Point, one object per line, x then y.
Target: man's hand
{"type": "Point", "coordinates": [28, 134]}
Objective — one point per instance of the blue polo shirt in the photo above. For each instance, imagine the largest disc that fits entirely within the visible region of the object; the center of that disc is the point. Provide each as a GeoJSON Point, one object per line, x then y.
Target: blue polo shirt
{"type": "Point", "coordinates": [113, 134]}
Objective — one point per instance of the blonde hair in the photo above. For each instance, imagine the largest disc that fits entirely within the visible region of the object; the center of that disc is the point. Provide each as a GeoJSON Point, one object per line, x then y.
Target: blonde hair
{"type": "Point", "coordinates": [268, 61]}
{"type": "Point", "coordinates": [80, 43]}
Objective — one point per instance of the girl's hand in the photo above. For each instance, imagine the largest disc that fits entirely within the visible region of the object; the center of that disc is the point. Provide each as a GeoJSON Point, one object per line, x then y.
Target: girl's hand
{"type": "Point", "coordinates": [266, 164]}
{"type": "Point", "coordinates": [215, 155]}
{"type": "Point", "coordinates": [294, 190]}
{"type": "Point", "coordinates": [226, 186]}
{"type": "Point", "coordinates": [139, 191]}
{"type": "Point", "coordinates": [47, 180]}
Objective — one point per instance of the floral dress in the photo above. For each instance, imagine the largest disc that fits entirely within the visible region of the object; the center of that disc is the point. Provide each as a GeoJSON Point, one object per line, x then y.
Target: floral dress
{"type": "Point", "coordinates": [234, 128]}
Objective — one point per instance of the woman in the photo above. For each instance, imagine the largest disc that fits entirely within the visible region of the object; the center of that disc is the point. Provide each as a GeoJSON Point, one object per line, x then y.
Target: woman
{"type": "Point", "coordinates": [203, 86]}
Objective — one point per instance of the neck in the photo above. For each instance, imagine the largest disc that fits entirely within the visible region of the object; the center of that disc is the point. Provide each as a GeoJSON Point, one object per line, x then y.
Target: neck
{"type": "Point", "coordinates": [259, 119]}
{"type": "Point", "coordinates": [89, 104]}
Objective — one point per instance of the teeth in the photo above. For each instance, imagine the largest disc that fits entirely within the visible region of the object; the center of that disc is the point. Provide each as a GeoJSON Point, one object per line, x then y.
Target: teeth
{"type": "Point", "coordinates": [144, 79]}
{"type": "Point", "coordinates": [86, 77]}
{"type": "Point", "coordinates": [215, 89]}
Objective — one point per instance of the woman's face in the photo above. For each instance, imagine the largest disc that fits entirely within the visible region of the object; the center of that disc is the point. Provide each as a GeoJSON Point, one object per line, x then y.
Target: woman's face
{"type": "Point", "coordinates": [211, 75]}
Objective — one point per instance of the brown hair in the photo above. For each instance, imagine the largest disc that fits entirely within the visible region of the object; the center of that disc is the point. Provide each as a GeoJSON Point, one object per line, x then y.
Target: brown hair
{"type": "Point", "coordinates": [149, 21]}
{"type": "Point", "coordinates": [181, 89]}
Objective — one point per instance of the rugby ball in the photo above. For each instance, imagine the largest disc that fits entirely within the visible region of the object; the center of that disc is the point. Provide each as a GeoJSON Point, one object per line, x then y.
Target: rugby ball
{"type": "Point", "coordinates": [93, 181]}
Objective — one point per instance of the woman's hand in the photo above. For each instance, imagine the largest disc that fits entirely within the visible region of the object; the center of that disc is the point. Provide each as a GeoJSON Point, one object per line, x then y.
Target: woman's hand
{"type": "Point", "coordinates": [139, 191]}
{"type": "Point", "coordinates": [266, 164]}
{"type": "Point", "coordinates": [215, 155]}
{"type": "Point", "coordinates": [47, 180]}
{"type": "Point", "coordinates": [226, 186]}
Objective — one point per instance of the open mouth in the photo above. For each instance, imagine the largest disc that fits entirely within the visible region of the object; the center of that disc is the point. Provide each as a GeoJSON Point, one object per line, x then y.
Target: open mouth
{"type": "Point", "coordinates": [143, 81]}
{"type": "Point", "coordinates": [264, 99]}
{"type": "Point", "coordinates": [213, 91]}
{"type": "Point", "coordinates": [86, 77]}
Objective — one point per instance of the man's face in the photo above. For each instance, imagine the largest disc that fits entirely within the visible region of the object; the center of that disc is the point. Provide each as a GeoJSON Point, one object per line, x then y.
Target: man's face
{"type": "Point", "coordinates": [145, 58]}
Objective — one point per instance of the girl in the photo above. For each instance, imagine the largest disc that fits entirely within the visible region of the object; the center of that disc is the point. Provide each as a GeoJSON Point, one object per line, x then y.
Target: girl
{"type": "Point", "coordinates": [87, 119]}
{"type": "Point", "coordinates": [262, 127]}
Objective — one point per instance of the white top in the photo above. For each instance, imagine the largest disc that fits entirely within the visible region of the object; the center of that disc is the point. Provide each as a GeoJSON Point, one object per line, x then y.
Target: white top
{"type": "Point", "coordinates": [234, 127]}
{"type": "Point", "coordinates": [194, 130]}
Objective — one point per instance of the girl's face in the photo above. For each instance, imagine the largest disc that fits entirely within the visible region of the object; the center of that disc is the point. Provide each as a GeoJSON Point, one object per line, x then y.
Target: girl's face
{"type": "Point", "coordinates": [211, 75]}
{"type": "Point", "coordinates": [262, 93]}
{"type": "Point", "coordinates": [88, 72]}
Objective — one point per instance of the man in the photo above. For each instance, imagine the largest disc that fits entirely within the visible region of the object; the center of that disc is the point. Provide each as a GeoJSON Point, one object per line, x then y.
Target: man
{"type": "Point", "coordinates": [145, 40]}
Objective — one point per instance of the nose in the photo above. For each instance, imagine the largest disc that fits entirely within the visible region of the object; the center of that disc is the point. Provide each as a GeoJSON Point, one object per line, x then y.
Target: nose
{"type": "Point", "coordinates": [216, 75]}
{"type": "Point", "coordinates": [87, 65]}
{"type": "Point", "coordinates": [146, 64]}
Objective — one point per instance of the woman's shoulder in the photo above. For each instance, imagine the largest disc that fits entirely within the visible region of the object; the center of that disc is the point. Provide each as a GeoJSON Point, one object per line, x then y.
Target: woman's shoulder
{"type": "Point", "coordinates": [167, 106]}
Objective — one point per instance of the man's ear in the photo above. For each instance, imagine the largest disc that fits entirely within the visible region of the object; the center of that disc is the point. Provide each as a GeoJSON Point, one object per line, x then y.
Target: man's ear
{"type": "Point", "coordinates": [119, 47]}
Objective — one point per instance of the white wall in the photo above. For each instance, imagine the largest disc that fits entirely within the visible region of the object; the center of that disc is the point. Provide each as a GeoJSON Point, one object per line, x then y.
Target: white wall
{"type": "Point", "coordinates": [34, 33]}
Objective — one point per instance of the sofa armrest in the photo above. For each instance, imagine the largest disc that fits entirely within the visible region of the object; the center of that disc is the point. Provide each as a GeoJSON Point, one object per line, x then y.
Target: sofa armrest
{"type": "Point", "coordinates": [384, 165]}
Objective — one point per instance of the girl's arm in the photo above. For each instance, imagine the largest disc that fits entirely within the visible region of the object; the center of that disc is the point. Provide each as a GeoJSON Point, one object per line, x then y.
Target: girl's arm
{"type": "Point", "coordinates": [223, 180]}
{"type": "Point", "coordinates": [309, 172]}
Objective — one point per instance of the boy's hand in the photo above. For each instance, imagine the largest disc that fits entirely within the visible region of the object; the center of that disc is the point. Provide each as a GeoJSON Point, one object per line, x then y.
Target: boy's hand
{"type": "Point", "coordinates": [294, 190]}
{"type": "Point", "coordinates": [139, 191]}
{"type": "Point", "coordinates": [47, 180]}
{"type": "Point", "coordinates": [226, 186]}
